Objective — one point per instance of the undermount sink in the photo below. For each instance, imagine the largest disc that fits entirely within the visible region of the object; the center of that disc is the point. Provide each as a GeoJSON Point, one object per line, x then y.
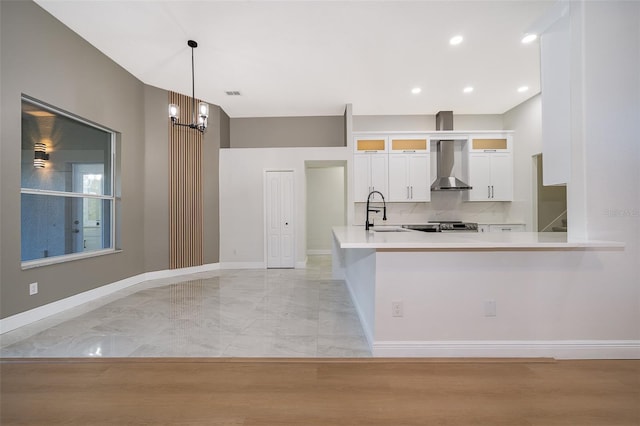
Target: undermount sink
{"type": "Point", "coordinates": [389, 230]}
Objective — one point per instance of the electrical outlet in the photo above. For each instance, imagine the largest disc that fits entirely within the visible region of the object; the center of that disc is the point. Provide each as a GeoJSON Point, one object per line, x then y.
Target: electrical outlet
{"type": "Point", "coordinates": [33, 289]}
{"type": "Point", "coordinates": [397, 310]}
{"type": "Point", "coordinates": [489, 308]}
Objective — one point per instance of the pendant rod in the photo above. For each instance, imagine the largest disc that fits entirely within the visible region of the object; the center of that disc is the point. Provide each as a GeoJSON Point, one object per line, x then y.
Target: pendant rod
{"type": "Point", "coordinates": [193, 89]}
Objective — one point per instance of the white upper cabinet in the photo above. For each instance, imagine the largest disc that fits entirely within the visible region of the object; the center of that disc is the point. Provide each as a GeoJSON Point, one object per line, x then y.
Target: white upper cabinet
{"type": "Point", "coordinates": [409, 143]}
{"type": "Point", "coordinates": [371, 144]}
{"type": "Point", "coordinates": [490, 168]}
{"type": "Point", "coordinates": [409, 168]}
{"type": "Point", "coordinates": [371, 164]}
{"type": "Point", "coordinates": [490, 142]}
{"type": "Point", "coordinates": [370, 173]}
{"type": "Point", "coordinates": [409, 178]}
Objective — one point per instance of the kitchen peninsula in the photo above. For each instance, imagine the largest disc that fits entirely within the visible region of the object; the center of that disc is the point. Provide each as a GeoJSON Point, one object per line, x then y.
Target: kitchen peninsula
{"type": "Point", "coordinates": [468, 294]}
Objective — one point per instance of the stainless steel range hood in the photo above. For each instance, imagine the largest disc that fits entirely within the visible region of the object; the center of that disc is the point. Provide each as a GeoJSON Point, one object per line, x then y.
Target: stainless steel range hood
{"type": "Point", "coordinates": [445, 180]}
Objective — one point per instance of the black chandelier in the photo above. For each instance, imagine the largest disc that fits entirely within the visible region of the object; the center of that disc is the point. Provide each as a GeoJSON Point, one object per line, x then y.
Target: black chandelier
{"type": "Point", "coordinates": [199, 123]}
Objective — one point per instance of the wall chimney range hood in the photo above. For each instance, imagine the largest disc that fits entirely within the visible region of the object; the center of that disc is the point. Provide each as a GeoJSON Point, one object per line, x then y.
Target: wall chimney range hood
{"type": "Point", "coordinates": [445, 180]}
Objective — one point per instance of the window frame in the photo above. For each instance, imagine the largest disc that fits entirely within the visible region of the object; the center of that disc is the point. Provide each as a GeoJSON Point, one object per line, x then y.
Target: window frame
{"type": "Point", "coordinates": [112, 197]}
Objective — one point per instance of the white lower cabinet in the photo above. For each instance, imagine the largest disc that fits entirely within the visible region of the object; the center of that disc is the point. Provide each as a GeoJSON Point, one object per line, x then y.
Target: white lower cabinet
{"type": "Point", "coordinates": [409, 178]}
{"type": "Point", "coordinates": [502, 227]}
{"type": "Point", "coordinates": [370, 173]}
{"type": "Point", "coordinates": [518, 227]}
{"type": "Point", "coordinates": [491, 176]}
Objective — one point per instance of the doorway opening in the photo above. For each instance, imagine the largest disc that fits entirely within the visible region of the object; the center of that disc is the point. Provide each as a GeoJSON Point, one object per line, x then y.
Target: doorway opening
{"type": "Point", "coordinates": [550, 202]}
{"type": "Point", "coordinates": [326, 203]}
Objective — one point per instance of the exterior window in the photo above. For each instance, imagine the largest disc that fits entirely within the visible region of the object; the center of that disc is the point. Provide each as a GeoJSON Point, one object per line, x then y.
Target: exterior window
{"type": "Point", "coordinates": [67, 197]}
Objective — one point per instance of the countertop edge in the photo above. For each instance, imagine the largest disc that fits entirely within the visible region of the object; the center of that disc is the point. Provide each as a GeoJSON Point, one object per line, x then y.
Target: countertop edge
{"type": "Point", "coordinates": [483, 243]}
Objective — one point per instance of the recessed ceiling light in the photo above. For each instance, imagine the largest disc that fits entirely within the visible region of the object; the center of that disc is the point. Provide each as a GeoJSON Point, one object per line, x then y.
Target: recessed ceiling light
{"type": "Point", "coordinates": [455, 40]}
{"type": "Point", "coordinates": [416, 90]}
{"type": "Point", "coordinates": [528, 38]}
{"type": "Point", "coordinates": [522, 89]}
{"type": "Point", "coordinates": [468, 89]}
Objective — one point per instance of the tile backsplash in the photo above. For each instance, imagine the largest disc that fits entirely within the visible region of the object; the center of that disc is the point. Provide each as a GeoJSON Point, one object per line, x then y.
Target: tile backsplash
{"type": "Point", "coordinates": [445, 206]}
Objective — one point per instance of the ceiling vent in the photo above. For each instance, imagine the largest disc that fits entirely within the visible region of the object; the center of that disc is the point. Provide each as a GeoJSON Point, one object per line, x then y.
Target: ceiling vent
{"type": "Point", "coordinates": [232, 93]}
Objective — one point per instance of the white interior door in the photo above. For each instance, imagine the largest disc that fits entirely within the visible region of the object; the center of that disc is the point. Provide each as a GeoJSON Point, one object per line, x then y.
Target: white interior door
{"type": "Point", "coordinates": [279, 219]}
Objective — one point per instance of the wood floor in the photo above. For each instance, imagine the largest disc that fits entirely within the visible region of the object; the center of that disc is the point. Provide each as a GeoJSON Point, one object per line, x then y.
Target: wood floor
{"type": "Point", "coordinates": [182, 391]}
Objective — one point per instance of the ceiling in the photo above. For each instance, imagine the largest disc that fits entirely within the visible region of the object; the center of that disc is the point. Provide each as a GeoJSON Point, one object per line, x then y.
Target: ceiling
{"type": "Point", "coordinates": [302, 58]}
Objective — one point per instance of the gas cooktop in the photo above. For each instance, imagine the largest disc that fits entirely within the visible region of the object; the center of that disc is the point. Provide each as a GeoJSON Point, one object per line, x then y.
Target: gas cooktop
{"type": "Point", "coordinates": [445, 226]}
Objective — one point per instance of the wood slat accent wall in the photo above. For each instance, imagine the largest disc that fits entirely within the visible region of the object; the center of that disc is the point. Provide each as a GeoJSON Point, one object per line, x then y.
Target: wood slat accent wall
{"type": "Point", "coordinates": [185, 189]}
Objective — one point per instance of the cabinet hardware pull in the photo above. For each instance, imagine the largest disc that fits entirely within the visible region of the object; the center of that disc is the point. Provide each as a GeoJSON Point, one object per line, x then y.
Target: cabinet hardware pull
{"type": "Point", "coordinates": [411, 192]}
{"type": "Point", "coordinates": [488, 191]}
{"type": "Point", "coordinates": [408, 193]}
{"type": "Point", "coordinates": [492, 193]}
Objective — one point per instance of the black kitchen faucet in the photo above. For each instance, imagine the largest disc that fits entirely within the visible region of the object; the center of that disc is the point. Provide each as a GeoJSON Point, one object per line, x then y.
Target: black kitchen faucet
{"type": "Point", "coordinates": [367, 225]}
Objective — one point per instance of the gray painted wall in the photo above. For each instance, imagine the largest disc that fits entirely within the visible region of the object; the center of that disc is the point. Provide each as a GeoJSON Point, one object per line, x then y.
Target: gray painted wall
{"type": "Point", "coordinates": [156, 217]}
{"type": "Point", "coordinates": [42, 58]}
{"type": "Point", "coordinates": [390, 123]}
{"type": "Point", "coordinates": [79, 79]}
{"type": "Point", "coordinates": [156, 177]}
{"type": "Point", "coordinates": [225, 130]}
{"type": "Point", "coordinates": [287, 132]}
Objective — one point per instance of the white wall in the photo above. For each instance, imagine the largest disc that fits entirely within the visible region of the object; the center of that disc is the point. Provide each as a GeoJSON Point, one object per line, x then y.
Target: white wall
{"type": "Point", "coordinates": [242, 198]}
{"type": "Point", "coordinates": [525, 120]}
{"type": "Point", "coordinates": [325, 206]}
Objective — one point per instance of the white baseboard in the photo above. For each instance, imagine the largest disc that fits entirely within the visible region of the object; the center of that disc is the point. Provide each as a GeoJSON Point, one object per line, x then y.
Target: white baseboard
{"type": "Point", "coordinates": [41, 312]}
{"type": "Point", "coordinates": [243, 265]}
{"type": "Point", "coordinates": [256, 265]}
{"type": "Point", "coordinates": [559, 349]}
{"type": "Point", "coordinates": [36, 314]}
{"type": "Point", "coordinates": [170, 273]}
{"type": "Point", "coordinates": [317, 252]}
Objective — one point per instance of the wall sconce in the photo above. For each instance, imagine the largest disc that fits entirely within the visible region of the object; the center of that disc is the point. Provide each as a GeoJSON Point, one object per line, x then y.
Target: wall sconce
{"type": "Point", "coordinates": [40, 155]}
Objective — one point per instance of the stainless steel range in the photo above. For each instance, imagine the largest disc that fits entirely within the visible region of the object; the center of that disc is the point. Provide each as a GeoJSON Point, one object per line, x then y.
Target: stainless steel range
{"type": "Point", "coordinates": [445, 226]}
{"type": "Point", "coordinates": [457, 226]}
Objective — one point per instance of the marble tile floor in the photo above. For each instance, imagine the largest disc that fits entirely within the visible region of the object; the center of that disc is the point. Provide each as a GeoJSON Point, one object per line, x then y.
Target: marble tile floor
{"type": "Point", "coordinates": [228, 313]}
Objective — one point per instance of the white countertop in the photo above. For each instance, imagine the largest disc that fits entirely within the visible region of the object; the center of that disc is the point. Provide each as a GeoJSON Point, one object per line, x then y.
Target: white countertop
{"type": "Point", "coordinates": [357, 237]}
